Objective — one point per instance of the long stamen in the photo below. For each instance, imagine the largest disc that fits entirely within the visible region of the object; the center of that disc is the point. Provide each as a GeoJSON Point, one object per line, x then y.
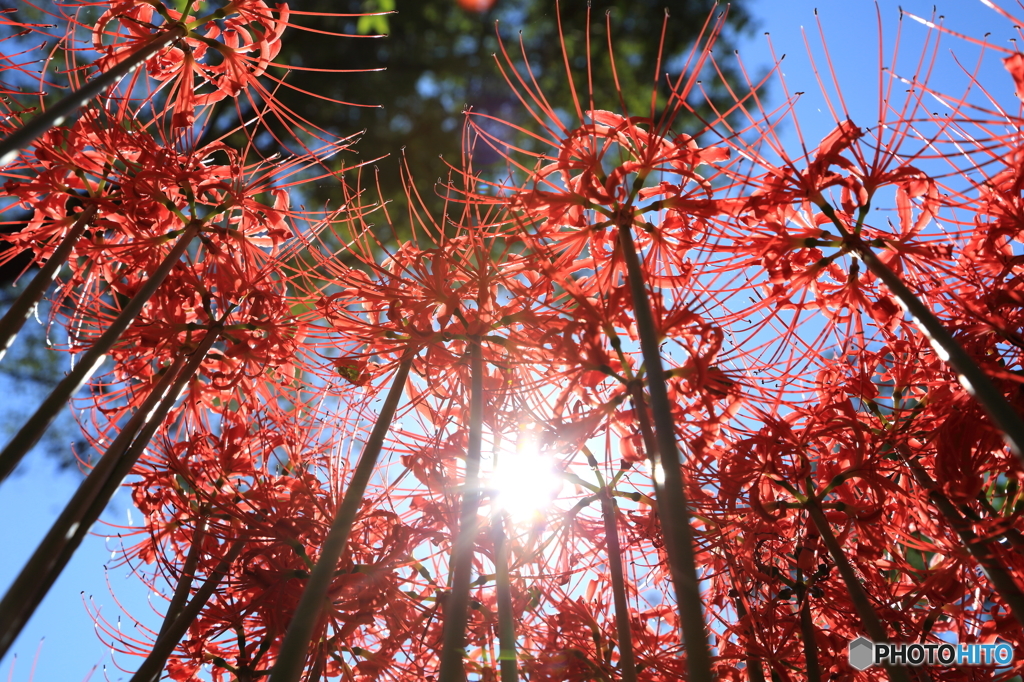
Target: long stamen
{"type": "Point", "coordinates": [56, 114]}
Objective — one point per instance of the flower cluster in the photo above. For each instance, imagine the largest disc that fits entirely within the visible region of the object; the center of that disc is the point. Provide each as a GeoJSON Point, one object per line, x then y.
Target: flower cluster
{"type": "Point", "coordinates": [650, 405]}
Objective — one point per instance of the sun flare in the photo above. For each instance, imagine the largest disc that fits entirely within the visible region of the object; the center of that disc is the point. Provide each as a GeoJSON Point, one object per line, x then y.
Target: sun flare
{"type": "Point", "coordinates": [524, 481]}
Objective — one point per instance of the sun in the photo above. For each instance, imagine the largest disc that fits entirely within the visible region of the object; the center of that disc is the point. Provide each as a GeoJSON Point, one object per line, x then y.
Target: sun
{"type": "Point", "coordinates": [524, 481]}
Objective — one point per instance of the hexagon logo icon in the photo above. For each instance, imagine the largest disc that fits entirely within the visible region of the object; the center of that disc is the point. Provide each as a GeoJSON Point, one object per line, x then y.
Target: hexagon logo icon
{"type": "Point", "coordinates": [861, 653]}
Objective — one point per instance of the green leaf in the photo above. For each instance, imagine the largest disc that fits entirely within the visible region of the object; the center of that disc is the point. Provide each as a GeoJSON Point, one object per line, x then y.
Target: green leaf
{"type": "Point", "coordinates": [377, 24]}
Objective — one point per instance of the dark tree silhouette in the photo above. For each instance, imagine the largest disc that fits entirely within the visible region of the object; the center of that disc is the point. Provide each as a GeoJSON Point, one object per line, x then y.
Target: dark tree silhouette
{"type": "Point", "coordinates": [438, 58]}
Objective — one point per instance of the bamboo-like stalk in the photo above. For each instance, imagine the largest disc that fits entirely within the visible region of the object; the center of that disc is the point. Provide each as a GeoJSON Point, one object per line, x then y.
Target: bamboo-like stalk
{"type": "Point", "coordinates": [673, 509]}
{"type": "Point", "coordinates": [37, 424]}
{"type": "Point", "coordinates": [755, 673]}
{"type": "Point", "coordinates": [970, 374]}
{"type": "Point", "coordinates": [456, 612]}
{"type": "Point", "coordinates": [636, 391]}
{"type": "Point", "coordinates": [56, 114]}
{"type": "Point", "coordinates": [507, 655]}
{"type": "Point", "coordinates": [188, 574]}
{"type": "Point", "coordinates": [1002, 581]}
{"type": "Point", "coordinates": [627, 660]}
{"type": "Point", "coordinates": [89, 501]}
{"type": "Point", "coordinates": [166, 642]}
{"type": "Point", "coordinates": [807, 634]}
{"type": "Point", "coordinates": [861, 601]}
{"type": "Point", "coordinates": [1015, 537]}
{"type": "Point", "coordinates": [28, 299]}
{"type": "Point", "coordinates": [292, 656]}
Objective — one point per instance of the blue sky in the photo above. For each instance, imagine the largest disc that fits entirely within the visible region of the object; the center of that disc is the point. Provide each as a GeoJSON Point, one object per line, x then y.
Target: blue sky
{"type": "Point", "coordinates": [851, 32]}
{"type": "Point", "coordinates": [31, 501]}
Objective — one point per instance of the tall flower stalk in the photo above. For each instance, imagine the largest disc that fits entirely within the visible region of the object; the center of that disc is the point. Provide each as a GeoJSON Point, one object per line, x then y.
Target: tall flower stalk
{"type": "Point", "coordinates": [90, 361]}
{"type": "Point", "coordinates": [675, 513]}
{"type": "Point", "coordinates": [294, 647]}
{"type": "Point", "coordinates": [457, 607]}
{"type": "Point", "coordinates": [29, 298]}
{"type": "Point", "coordinates": [507, 654]}
{"type": "Point", "coordinates": [94, 494]}
{"type": "Point", "coordinates": [623, 628]}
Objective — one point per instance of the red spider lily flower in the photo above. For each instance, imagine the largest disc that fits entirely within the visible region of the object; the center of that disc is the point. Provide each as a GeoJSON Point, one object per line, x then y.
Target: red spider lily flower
{"type": "Point", "coordinates": [222, 54]}
{"type": "Point", "coordinates": [177, 46]}
{"type": "Point", "coordinates": [561, 217]}
{"type": "Point", "coordinates": [205, 480]}
{"type": "Point", "coordinates": [140, 183]}
{"type": "Point", "coordinates": [245, 36]}
{"type": "Point", "coordinates": [430, 297]}
{"type": "Point", "coordinates": [145, 192]}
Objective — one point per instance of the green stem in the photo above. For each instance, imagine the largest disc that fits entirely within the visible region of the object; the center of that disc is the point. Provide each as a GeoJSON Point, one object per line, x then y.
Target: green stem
{"type": "Point", "coordinates": [292, 656]}
{"type": "Point", "coordinates": [627, 661]}
{"type": "Point", "coordinates": [636, 390]}
{"type": "Point", "coordinates": [673, 509]}
{"type": "Point", "coordinates": [168, 639]}
{"type": "Point", "coordinates": [981, 550]}
{"type": "Point", "coordinates": [807, 634]}
{"type": "Point", "coordinates": [456, 612]}
{"type": "Point", "coordinates": [507, 655]}
{"type": "Point", "coordinates": [22, 308]}
{"type": "Point", "coordinates": [56, 114]}
{"type": "Point", "coordinates": [89, 501]}
{"type": "Point", "coordinates": [861, 601]}
{"type": "Point", "coordinates": [90, 360]}
{"type": "Point", "coordinates": [755, 673]}
{"type": "Point", "coordinates": [188, 574]}
{"type": "Point", "coordinates": [971, 376]}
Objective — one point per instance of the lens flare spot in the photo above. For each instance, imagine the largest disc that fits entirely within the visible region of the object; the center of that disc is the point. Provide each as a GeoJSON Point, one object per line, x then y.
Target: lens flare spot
{"type": "Point", "coordinates": [476, 5]}
{"type": "Point", "coordinates": [524, 481]}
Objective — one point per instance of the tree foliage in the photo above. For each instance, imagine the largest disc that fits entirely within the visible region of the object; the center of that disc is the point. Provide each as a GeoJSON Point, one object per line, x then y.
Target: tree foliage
{"type": "Point", "coordinates": [439, 58]}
